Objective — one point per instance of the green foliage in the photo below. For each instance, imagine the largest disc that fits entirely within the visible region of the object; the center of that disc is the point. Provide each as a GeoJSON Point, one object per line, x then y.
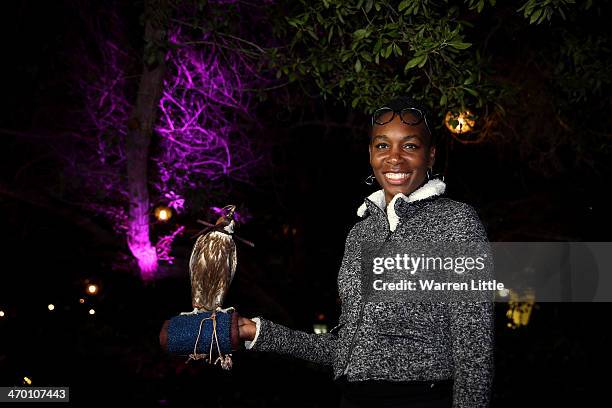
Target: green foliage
{"type": "Point", "coordinates": [583, 71]}
{"type": "Point", "coordinates": [442, 52]}
{"type": "Point", "coordinates": [538, 11]}
{"type": "Point", "coordinates": [363, 52]}
{"type": "Point", "coordinates": [479, 5]}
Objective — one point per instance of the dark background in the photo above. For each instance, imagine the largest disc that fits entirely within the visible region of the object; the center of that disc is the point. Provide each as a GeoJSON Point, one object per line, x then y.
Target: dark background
{"type": "Point", "coordinates": [302, 205]}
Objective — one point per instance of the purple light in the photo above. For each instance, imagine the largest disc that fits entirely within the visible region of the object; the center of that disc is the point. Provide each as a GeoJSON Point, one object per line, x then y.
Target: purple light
{"type": "Point", "coordinates": [176, 201]}
{"type": "Point", "coordinates": [201, 136]}
{"type": "Point", "coordinates": [202, 109]}
{"type": "Point", "coordinates": [164, 245]}
{"type": "Point", "coordinates": [146, 255]}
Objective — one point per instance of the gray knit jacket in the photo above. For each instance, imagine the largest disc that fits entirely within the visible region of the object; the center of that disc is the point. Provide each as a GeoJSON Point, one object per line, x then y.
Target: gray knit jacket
{"type": "Point", "coordinates": [401, 341]}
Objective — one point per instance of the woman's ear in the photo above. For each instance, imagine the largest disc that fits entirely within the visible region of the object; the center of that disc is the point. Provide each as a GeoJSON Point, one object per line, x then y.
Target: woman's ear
{"type": "Point", "coordinates": [432, 156]}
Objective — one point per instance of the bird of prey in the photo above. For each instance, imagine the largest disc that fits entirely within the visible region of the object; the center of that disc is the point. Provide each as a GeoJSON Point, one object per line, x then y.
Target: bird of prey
{"type": "Point", "coordinates": [213, 264]}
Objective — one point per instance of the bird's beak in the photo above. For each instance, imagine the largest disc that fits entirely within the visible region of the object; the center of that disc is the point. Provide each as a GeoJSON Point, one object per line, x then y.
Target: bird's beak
{"type": "Point", "coordinates": [230, 211]}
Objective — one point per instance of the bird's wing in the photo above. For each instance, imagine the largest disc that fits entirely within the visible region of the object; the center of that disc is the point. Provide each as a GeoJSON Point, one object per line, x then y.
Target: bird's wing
{"type": "Point", "coordinates": [233, 261]}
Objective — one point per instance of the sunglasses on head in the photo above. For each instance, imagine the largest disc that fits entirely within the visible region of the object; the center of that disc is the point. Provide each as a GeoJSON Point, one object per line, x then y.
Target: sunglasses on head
{"type": "Point", "coordinates": [409, 116]}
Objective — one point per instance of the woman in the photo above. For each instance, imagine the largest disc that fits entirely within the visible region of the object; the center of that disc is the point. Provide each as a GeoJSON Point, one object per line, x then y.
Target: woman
{"type": "Point", "coordinates": [399, 354]}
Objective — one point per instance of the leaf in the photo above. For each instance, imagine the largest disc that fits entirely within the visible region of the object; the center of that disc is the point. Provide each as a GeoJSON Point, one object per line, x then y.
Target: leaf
{"type": "Point", "coordinates": [443, 100]}
{"type": "Point", "coordinates": [535, 16]}
{"type": "Point", "coordinates": [360, 34]}
{"type": "Point", "coordinates": [340, 16]}
{"type": "Point", "coordinates": [358, 65]}
{"type": "Point", "coordinates": [368, 6]}
{"type": "Point", "coordinates": [378, 45]}
{"type": "Point", "coordinates": [470, 91]}
{"type": "Point", "coordinates": [414, 62]}
{"type": "Point", "coordinates": [397, 49]}
{"type": "Point", "coordinates": [460, 45]}
{"type": "Point", "coordinates": [527, 8]}
{"type": "Point", "coordinates": [312, 34]}
{"type": "Point", "coordinates": [366, 56]}
{"type": "Point", "coordinates": [404, 4]}
{"type": "Point", "coordinates": [423, 62]}
{"type": "Point", "coordinates": [388, 51]}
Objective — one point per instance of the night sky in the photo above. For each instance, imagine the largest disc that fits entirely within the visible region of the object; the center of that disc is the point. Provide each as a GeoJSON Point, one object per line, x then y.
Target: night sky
{"type": "Point", "coordinates": [301, 201]}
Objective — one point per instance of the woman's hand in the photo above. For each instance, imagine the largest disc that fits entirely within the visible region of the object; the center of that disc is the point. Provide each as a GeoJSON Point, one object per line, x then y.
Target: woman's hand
{"type": "Point", "coordinates": [246, 328]}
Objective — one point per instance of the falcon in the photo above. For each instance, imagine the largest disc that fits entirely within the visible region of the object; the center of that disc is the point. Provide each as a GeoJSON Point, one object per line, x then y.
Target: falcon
{"type": "Point", "coordinates": [213, 264]}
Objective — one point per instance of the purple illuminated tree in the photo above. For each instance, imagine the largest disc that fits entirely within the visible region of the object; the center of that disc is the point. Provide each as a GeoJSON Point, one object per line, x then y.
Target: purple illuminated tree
{"type": "Point", "coordinates": [186, 128]}
{"type": "Point", "coordinates": [203, 110]}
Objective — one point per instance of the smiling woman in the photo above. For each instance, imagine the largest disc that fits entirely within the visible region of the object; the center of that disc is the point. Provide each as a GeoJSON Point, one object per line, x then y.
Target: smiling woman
{"type": "Point", "coordinates": [390, 354]}
{"type": "Point", "coordinates": [401, 148]}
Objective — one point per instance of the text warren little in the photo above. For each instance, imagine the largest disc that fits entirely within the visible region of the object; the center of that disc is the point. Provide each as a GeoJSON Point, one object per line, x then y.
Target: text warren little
{"type": "Point", "coordinates": [430, 284]}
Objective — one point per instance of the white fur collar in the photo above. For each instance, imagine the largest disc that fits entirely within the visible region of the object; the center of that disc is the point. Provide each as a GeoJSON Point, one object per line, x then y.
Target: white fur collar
{"type": "Point", "coordinates": [432, 188]}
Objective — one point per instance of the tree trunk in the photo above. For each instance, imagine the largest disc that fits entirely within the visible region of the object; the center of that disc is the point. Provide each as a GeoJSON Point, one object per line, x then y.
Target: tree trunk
{"type": "Point", "coordinates": [140, 128]}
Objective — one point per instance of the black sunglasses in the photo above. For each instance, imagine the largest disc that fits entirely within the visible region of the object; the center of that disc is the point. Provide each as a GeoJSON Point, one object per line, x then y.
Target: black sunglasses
{"type": "Point", "coordinates": [409, 116]}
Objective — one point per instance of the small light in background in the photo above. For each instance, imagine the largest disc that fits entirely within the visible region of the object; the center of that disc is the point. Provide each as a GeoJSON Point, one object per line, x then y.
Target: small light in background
{"type": "Point", "coordinates": [92, 312]}
{"type": "Point", "coordinates": [520, 306]}
{"type": "Point", "coordinates": [460, 122]}
{"type": "Point", "coordinates": [27, 380]}
{"type": "Point", "coordinates": [1, 313]}
{"type": "Point", "coordinates": [92, 289]}
{"type": "Point", "coordinates": [319, 328]}
{"type": "Point", "coordinates": [163, 213]}
{"type": "Point", "coordinates": [81, 300]}
{"type": "Point", "coordinates": [51, 306]}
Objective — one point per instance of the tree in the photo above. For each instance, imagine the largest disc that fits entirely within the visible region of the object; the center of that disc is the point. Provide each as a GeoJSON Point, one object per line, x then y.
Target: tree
{"type": "Point", "coordinates": [369, 50]}
{"type": "Point", "coordinates": [185, 129]}
{"type": "Point", "coordinates": [458, 55]}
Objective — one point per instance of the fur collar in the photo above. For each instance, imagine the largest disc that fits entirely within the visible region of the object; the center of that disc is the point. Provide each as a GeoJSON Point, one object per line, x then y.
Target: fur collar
{"type": "Point", "coordinates": [434, 187]}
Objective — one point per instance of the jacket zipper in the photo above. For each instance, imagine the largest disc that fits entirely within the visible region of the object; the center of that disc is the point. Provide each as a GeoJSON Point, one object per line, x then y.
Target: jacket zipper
{"type": "Point", "coordinates": [363, 300]}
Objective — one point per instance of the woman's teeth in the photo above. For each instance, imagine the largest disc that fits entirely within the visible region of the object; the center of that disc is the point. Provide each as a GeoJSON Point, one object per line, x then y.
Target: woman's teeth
{"type": "Point", "coordinates": [396, 176]}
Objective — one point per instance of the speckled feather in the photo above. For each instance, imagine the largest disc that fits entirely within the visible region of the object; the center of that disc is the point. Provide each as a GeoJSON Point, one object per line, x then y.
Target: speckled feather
{"type": "Point", "coordinates": [402, 341]}
{"type": "Point", "coordinates": [212, 267]}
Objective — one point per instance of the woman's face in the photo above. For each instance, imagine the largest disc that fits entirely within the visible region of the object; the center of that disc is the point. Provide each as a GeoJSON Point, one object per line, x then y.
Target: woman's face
{"type": "Point", "coordinates": [400, 155]}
